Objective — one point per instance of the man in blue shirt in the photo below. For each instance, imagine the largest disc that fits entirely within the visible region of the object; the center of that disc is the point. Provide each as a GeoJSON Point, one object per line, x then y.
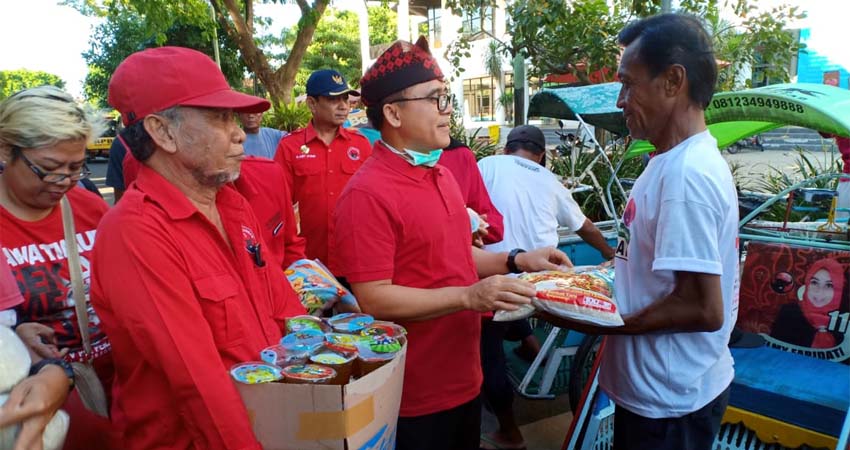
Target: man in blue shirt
{"type": "Point", "coordinates": [259, 141]}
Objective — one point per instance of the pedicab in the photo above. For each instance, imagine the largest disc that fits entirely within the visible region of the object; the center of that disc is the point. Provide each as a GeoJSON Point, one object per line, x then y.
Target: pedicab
{"type": "Point", "coordinates": [793, 390]}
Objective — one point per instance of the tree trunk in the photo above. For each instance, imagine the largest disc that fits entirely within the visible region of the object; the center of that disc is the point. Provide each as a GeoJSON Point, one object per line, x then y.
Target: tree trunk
{"type": "Point", "coordinates": [278, 83]}
{"type": "Point", "coordinates": [306, 27]}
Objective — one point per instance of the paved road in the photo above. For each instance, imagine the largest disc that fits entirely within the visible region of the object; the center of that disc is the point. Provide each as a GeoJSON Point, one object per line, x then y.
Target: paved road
{"type": "Point", "coordinates": [755, 164]}
{"type": "Point", "coordinates": [98, 175]}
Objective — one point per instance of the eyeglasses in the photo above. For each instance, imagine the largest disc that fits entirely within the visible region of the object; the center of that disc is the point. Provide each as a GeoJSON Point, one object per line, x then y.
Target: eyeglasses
{"type": "Point", "coordinates": [54, 177]}
{"type": "Point", "coordinates": [443, 100]}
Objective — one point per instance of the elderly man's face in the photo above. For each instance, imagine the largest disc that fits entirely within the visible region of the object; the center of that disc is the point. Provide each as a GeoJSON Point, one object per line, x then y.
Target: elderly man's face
{"type": "Point", "coordinates": [251, 122]}
{"type": "Point", "coordinates": [353, 101]}
{"type": "Point", "coordinates": [209, 144]}
{"type": "Point", "coordinates": [645, 106]}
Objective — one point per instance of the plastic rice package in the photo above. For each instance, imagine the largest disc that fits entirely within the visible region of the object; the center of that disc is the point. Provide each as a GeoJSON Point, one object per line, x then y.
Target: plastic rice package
{"type": "Point", "coordinates": [583, 294]}
{"type": "Point", "coordinates": [317, 288]}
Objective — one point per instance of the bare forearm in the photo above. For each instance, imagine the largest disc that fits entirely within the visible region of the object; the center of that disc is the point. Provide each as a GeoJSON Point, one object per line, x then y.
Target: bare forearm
{"type": "Point", "coordinates": [489, 263]}
{"type": "Point", "coordinates": [590, 234]}
{"type": "Point", "coordinates": [393, 302]}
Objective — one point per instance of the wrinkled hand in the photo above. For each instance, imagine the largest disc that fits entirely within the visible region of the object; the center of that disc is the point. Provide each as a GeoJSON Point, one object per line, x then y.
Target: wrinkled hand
{"type": "Point", "coordinates": [545, 258]}
{"type": "Point", "coordinates": [40, 340]}
{"type": "Point", "coordinates": [499, 292]}
{"type": "Point", "coordinates": [32, 403]}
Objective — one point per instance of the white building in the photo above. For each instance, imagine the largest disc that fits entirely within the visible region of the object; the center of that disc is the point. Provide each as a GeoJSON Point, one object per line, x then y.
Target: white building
{"type": "Point", "coordinates": [485, 100]}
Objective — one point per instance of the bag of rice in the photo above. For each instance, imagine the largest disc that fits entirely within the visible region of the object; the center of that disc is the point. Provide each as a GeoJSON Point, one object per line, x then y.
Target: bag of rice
{"type": "Point", "coordinates": [583, 294]}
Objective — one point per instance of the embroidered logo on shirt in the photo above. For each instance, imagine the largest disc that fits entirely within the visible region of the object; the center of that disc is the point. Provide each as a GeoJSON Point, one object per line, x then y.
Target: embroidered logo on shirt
{"type": "Point", "coordinates": [353, 153]}
{"type": "Point", "coordinates": [305, 150]}
{"type": "Point", "coordinates": [248, 235]}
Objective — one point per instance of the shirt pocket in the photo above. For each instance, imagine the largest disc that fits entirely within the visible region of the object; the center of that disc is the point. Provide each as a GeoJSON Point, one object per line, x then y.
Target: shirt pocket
{"type": "Point", "coordinates": [349, 166]}
{"type": "Point", "coordinates": [218, 299]}
{"type": "Point", "coordinates": [308, 177]}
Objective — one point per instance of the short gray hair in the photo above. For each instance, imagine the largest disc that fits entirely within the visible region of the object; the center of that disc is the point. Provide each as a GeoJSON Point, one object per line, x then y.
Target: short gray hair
{"type": "Point", "coordinates": [45, 115]}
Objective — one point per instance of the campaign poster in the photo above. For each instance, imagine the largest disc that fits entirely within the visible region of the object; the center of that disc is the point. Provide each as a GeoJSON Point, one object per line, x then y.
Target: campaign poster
{"type": "Point", "coordinates": [797, 298]}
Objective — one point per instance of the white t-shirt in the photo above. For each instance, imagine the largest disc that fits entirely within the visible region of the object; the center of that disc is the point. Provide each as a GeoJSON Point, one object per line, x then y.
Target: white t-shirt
{"type": "Point", "coordinates": [682, 215]}
{"type": "Point", "coordinates": [532, 201]}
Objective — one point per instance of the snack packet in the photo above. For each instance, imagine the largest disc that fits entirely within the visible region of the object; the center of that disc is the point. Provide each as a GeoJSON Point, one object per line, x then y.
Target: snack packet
{"type": "Point", "coordinates": [583, 295]}
{"type": "Point", "coordinates": [317, 288]}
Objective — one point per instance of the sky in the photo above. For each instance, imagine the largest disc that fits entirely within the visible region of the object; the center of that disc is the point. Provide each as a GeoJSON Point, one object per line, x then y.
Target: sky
{"type": "Point", "coordinates": [43, 35]}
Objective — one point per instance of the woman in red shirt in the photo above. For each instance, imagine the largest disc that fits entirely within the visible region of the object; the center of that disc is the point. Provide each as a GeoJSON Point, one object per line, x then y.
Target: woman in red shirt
{"type": "Point", "coordinates": [43, 135]}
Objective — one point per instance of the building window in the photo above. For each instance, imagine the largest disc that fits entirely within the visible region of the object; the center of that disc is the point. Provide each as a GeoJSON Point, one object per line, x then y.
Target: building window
{"type": "Point", "coordinates": [435, 28]}
{"type": "Point", "coordinates": [479, 98]}
{"type": "Point", "coordinates": [479, 21]}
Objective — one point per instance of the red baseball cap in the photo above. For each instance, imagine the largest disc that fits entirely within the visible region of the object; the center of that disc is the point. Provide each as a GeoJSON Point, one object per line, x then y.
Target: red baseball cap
{"type": "Point", "coordinates": [159, 78]}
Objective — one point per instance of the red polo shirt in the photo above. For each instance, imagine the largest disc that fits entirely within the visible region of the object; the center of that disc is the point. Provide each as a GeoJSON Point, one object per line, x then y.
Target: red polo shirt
{"type": "Point", "coordinates": [260, 183]}
{"type": "Point", "coordinates": [316, 176]}
{"type": "Point", "coordinates": [409, 224]}
{"type": "Point", "coordinates": [461, 162]}
{"type": "Point", "coordinates": [181, 306]}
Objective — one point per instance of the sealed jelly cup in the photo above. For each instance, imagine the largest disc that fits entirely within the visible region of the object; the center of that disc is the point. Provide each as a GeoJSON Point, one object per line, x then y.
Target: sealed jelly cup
{"type": "Point", "coordinates": [255, 372]}
{"type": "Point", "coordinates": [346, 341]}
{"type": "Point", "coordinates": [308, 374]}
{"type": "Point", "coordinates": [303, 341]}
{"type": "Point", "coordinates": [281, 357]}
{"type": "Point", "coordinates": [380, 327]}
{"type": "Point", "coordinates": [351, 323]}
{"type": "Point", "coordinates": [379, 350]}
{"type": "Point", "coordinates": [337, 359]}
{"type": "Point", "coordinates": [305, 322]}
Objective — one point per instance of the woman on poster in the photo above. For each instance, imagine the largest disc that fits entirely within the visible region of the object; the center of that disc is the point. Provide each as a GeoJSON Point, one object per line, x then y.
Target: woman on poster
{"type": "Point", "coordinates": [815, 320]}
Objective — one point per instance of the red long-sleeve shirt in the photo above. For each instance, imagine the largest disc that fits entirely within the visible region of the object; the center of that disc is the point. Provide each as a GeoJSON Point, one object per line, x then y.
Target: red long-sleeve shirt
{"type": "Point", "coordinates": [262, 183]}
{"type": "Point", "coordinates": [461, 162]}
{"type": "Point", "coordinates": [181, 305]}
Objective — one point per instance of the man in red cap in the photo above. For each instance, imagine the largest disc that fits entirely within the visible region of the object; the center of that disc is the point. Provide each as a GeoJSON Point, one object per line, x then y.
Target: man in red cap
{"type": "Point", "coordinates": [404, 243]}
{"type": "Point", "coordinates": [182, 280]}
{"type": "Point", "coordinates": [320, 159]}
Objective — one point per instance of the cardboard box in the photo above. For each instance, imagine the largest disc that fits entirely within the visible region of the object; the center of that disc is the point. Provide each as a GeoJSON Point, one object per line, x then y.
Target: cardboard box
{"type": "Point", "coordinates": [361, 415]}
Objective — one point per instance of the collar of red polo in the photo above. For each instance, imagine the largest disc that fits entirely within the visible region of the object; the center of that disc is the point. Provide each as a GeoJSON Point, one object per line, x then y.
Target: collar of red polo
{"type": "Point", "coordinates": [398, 164]}
{"type": "Point", "coordinates": [171, 199]}
{"type": "Point", "coordinates": [310, 133]}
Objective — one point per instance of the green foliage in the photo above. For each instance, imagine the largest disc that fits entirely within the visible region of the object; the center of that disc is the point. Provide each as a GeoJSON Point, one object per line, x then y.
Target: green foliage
{"type": "Point", "coordinates": [12, 81]}
{"type": "Point", "coordinates": [287, 117]}
{"type": "Point", "coordinates": [580, 37]}
{"type": "Point", "coordinates": [598, 175]}
{"type": "Point", "coordinates": [480, 146]}
{"type": "Point", "coordinates": [234, 18]}
{"type": "Point", "coordinates": [159, 16]}
{"type": "Point", "coordinates": [336, 45]}
{"type": "Point", "coordinates": [124, 32]}
{"type": "Point", "coordinates": [776, 180]}
{"type": "Point", "coordinates": [382, 25]}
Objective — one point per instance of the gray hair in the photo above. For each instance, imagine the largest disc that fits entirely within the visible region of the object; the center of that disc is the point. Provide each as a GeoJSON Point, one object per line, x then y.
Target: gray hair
{"type": "Point", "coordinates": [45, 115]}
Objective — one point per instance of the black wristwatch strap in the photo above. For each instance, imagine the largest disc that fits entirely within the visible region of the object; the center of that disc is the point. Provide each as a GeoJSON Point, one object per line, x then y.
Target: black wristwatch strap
{"type": "Point", "coordinates": [512, 267]}
{"type": "Point", "coordinates": [65, 365]}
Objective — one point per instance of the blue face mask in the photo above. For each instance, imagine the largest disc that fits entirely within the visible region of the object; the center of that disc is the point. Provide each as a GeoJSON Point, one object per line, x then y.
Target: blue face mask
{"type": "Point", "coordinates": [424, 159]}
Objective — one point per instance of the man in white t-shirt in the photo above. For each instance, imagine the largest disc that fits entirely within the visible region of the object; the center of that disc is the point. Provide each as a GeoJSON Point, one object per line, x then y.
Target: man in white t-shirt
{"type": "Point", "coordinates": [532, 200]}
{"type": "Point", "coordinates": [668, 369]}
{"type": "Point", "coordinates": [259, 141]}
{"type": "Point", "coordinates": [534, 204]}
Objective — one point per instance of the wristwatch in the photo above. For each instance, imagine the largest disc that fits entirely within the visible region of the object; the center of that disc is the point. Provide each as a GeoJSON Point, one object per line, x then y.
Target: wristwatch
{"type": "Point", "coordinates": [65, 365]}
{"type": "Point", "coordinates": [512, 267]}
